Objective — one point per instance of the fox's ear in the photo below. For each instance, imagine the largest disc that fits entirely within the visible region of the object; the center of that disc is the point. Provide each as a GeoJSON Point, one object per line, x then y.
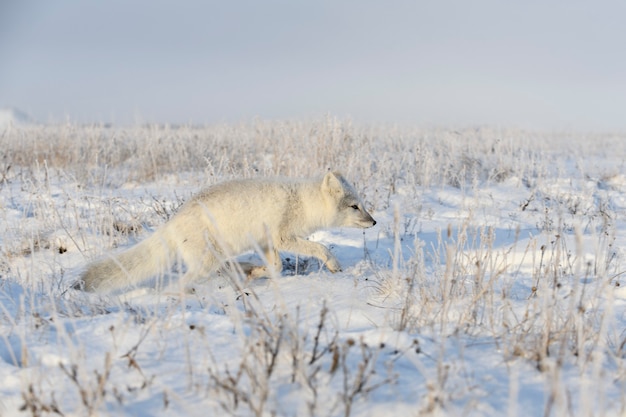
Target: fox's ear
{"type": "Point", "coordinates": [332, 185]}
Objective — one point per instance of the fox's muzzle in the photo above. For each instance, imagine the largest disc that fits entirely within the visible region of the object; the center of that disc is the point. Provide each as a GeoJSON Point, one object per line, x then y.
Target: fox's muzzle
{"type": "Point", "coordinates": [367, 221]}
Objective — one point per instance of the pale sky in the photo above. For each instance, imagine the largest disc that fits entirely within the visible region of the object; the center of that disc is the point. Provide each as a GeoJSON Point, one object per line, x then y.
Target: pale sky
{"type": "Point", "coordinates": [531, 64]}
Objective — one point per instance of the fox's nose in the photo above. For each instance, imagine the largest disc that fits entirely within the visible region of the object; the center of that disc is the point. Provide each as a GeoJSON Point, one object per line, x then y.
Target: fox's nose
{"type": "Point", "coordinates": [373, 222]}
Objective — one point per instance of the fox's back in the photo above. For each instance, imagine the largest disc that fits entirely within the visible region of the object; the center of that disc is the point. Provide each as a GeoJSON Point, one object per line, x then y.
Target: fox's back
{"type": "Point", "coordinates": [244, 211]}
{"type": "Point", "coordinates": [251, 199]}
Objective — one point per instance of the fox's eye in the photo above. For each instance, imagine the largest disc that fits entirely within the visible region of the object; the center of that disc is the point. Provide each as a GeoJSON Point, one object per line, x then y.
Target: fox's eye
{"type": "Point", "coordinates": [354, 206]}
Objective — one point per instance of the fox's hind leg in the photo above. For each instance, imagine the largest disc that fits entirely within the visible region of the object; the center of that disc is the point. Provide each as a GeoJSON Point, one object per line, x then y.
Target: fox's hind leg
{"type": "Point", "coordinates": [199, 266]}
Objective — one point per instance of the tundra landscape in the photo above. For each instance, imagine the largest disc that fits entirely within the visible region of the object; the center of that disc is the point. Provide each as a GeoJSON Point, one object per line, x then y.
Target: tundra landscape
{"type": "Point", "coordinates": [493, 283]}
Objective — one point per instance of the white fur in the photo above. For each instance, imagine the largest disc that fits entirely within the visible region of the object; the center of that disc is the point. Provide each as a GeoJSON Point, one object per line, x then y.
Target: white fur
{"type": "Point", "coordinates": [230, 218]}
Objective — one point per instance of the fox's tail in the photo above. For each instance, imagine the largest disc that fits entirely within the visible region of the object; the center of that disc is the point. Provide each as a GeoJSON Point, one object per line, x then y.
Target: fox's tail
{"type": "Point", "coordinates": [151, 257]}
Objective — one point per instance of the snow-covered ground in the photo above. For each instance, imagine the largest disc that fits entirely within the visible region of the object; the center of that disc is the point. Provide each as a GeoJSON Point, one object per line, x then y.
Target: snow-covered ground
{"type": "Point", "coordinates": [491, 285]}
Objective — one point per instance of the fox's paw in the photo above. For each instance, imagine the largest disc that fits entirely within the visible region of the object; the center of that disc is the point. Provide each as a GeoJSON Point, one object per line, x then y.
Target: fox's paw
{"type": "Point", "coordinates": [333, 265]}
{"type": "Point", "coordinates": [257, 272]}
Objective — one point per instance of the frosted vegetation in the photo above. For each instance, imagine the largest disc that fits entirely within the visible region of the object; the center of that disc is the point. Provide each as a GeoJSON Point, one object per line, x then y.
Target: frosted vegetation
{"type": "Point", "coordinates": [492, 284]}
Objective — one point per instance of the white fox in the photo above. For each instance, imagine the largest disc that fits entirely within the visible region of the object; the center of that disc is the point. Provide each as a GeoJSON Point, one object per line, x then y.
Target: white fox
{"type": "Point", "coordinates": [227, 219]}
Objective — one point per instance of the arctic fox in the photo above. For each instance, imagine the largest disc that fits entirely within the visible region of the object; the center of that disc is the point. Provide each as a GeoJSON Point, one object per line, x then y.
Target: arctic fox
{"type": "Point", "coordinates": [227, 219]}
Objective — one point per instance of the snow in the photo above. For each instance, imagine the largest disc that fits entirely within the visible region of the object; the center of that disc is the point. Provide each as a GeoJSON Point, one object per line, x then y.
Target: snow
{"type": "Point", "coordinates": [485, 297]}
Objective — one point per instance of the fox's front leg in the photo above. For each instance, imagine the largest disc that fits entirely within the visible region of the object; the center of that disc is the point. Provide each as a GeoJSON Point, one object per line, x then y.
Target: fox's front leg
{"type": "Point", "coordinates": [332, 263]}
{"type": "Point", "coordinates": [273, 261]}
{"type": "Point", "coordinates": [308, 248]}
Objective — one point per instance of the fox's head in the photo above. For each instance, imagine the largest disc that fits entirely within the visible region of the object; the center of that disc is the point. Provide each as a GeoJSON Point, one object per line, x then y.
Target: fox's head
{"type": "Point", "coordinates": [349, 210]}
